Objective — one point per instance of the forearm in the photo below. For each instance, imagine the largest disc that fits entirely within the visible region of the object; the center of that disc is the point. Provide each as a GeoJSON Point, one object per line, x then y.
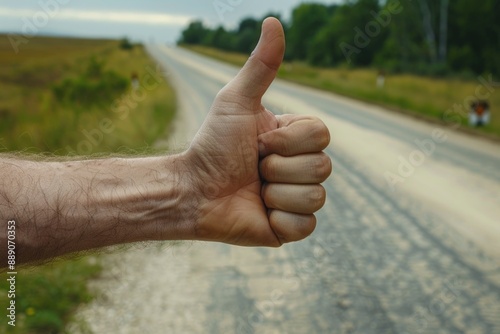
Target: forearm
{"type": "Point", "coordinates": [63, 207]}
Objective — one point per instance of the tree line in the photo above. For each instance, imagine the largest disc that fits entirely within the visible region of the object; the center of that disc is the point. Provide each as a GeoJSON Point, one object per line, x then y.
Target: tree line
{"type": "Point", "coordinates": [428, 37]}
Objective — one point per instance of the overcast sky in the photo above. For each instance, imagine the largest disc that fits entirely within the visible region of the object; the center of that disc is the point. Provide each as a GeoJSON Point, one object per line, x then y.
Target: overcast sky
{"type": "Point", "coordinates": [161, 21]}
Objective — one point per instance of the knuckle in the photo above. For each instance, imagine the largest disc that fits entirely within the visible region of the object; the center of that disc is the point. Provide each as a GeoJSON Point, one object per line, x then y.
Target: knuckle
{"type": "Point", "coordinates": [287, 141]}
{"type": "Point", "coordinates": [265, 195]}
{"type": "Point", "coordinates": [322, 167]}
{"type": "Point", "coordinates": [320, 134]}
{"type": "Point", "coordinates": [316, 197]}
{"type": "Point", "coordinates": [224, 94]}
{"type": "Point", "coordinates": [263, 192]}
{"type": "Point", "coordinates": [278, 142]}
{"type": "Point", "coordinates": [268, 167]}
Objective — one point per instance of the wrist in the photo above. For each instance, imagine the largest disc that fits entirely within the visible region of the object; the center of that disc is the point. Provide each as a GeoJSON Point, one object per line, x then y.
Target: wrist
{"type": "Point", "coordinates": [155, 202]}
{"type": "Point", "coordinates": [171, 200]}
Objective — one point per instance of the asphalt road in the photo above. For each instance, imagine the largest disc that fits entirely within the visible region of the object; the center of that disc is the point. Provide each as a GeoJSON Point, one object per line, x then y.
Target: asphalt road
{"type": "Point", "coordinates": [400, 247]}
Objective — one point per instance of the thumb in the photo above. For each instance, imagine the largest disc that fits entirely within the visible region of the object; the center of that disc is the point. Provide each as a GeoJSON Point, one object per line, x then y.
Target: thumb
{"type": "Point", "coordinates": [258, 73]}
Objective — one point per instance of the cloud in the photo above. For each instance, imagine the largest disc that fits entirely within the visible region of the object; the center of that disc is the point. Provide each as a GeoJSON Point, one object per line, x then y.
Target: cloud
{"type": "Point", "coordinates": [144, 18]}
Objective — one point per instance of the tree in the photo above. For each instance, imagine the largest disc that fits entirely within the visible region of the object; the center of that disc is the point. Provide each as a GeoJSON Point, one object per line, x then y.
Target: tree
{"type": "Point", "coordinates": [405, 46]}
{"type": "Point", "coordinates": [307, 20]}
{"type": "Point", "coordinates": [247, 35]}
{"type": "Point", "coordinates": [339, 39]}
{"type": "Point", "coordinates": [443, 30]}
{"type": "Point", "coordinates": [125, 44]}
{"type": "Point", "coordinates": [249, 23]}
{"type": "Point", "coordinates": [427, 37]}
{"type": "Point", "coordinates": [475, 41]}
{"type": "Point", "coordinates": [222, 39]}
{"type": "Point", "coordinates": [430, 36]}
{"type": "Point", "coordinates": [194, 34]}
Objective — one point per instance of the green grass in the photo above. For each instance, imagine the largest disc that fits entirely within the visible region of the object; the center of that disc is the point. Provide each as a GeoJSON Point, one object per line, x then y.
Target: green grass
{"type": "Point", "coordinates": [423, 97]}
{"type": "Point", "coordinates": [35, 119]}
{"type": "Point", "coordinates": [47, 296]}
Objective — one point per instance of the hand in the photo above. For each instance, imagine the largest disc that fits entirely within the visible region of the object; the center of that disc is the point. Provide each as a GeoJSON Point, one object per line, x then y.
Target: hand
{"type": "Point", "coordinates": [257, 175]}
{"type": "Point", "coordinates": [249, 178]}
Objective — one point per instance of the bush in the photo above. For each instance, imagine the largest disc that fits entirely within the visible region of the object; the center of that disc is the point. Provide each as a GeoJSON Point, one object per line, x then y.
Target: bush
{"type": "Point", "coordinates": [125, 44]}
{"type": "Point", "coordinates": [94, 86]}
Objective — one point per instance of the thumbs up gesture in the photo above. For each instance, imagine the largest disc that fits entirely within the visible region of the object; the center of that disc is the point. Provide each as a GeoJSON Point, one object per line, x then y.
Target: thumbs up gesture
{"type": "Point", "coordinates": [249, 178]}
{"type": "Point", "coordinates": [257, 174]}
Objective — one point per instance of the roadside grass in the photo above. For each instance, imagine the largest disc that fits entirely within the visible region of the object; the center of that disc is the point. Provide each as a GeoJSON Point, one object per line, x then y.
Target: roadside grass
{"type": "Point", "coordinates": [34, 119]}
{"type": "Point", "coordinates": [47, 295]}
{"type": "Point", "coordinates": [424, 97]}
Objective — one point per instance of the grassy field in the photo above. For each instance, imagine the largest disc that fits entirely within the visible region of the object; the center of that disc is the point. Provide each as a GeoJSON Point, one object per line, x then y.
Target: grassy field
{"type": "Point", "coordinates": [424, 97]}
{"type": "Point", "coordinates": [48, 295]}
{"type": "Point", "coordinates": [35, 119]}
{"type": "Point", "coordinates": [73, 97]}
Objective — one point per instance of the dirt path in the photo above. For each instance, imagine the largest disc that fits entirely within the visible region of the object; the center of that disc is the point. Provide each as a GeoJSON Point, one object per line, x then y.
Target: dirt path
{"type": "Point", "coordinates": [421, 259]}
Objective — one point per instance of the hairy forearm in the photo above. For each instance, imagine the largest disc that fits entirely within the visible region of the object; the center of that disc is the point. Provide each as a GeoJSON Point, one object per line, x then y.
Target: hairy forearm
{"type": "Point", "coordinates": [63, 207]}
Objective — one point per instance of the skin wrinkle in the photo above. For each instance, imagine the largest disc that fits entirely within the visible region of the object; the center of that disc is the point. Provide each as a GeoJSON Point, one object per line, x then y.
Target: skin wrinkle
{"type": "Point", "coordinates": [228, 105]}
